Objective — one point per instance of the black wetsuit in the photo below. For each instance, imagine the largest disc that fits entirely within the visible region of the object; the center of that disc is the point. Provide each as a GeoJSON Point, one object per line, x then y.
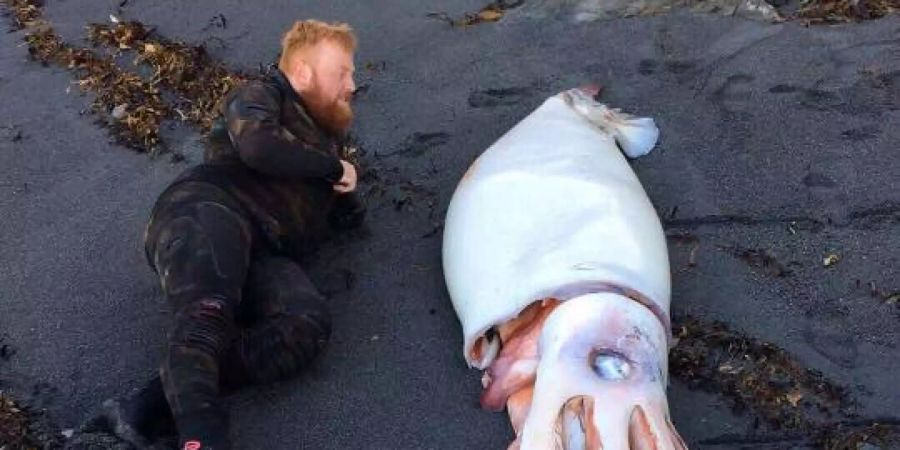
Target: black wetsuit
{"type": "Point", "coordinates": [225, 239]}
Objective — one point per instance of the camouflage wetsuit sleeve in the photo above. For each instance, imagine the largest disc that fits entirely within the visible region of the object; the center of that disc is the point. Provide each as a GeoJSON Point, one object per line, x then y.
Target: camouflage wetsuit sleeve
{"type": "Point", "coordinates": [253, 119]}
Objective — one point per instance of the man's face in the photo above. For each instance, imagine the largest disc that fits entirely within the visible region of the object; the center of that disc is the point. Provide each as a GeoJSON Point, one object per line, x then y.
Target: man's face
{"type": "Point", "coordinates": [331, 86]}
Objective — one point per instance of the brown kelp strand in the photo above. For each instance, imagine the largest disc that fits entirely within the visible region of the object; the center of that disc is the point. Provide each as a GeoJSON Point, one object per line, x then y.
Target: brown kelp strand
{"type": "Point", "coordinates": [836, 11]}
{"type": "Point", "coordinates": [753, 375]}
{"type": "Point", "coordinates": [188, 70]}
{"type": "Point", "coordinates": [135, 106]}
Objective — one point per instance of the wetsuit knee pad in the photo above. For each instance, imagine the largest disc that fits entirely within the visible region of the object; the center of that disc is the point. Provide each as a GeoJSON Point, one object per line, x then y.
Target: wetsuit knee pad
{"type": "Point", "coordinates": [199, 248]}
{"type": "Point", "coordinates": [206, 325]}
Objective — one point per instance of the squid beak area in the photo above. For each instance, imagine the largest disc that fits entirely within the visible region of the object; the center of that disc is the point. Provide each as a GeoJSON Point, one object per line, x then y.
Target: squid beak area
{"type": "Point", "coordinates": [511, 377]}
{"type": "Point", "coordinates": [514, 367]}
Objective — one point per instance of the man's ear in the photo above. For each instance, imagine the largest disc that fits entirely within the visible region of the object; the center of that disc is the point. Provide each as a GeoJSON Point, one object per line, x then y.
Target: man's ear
{"type": "Point", "coordinates": [302, 75]}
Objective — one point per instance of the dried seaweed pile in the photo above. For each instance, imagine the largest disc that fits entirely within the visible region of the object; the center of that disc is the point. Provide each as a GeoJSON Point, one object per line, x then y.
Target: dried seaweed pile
{"type": "Point", "coordinates": [136, 106]}
{"type": "Point", "coordinates": [199, 81]}
{"type": "Point", "coordinates": [24, 13]}
{"type": "Point", "coordinates": [131, 106]}
{"type": "Point", "coordinates": [852, 437]}
{"type": "Point", "coordinates": [838, 11]}
{"type": "Point", "coordinates": [492, 12]}
{"type": "Point", "coordinates": [753, 375]}
{"type": "Point", "coordinates": [14, 432]}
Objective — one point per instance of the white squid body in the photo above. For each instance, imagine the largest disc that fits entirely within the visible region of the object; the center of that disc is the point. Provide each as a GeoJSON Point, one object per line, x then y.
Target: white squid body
{"type": "Point", "coordinates": [552, 216]}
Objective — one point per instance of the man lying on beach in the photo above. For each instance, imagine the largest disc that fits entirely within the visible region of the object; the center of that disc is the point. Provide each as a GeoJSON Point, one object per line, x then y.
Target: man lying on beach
{"type": "Point", "coordinates": [226, 238]}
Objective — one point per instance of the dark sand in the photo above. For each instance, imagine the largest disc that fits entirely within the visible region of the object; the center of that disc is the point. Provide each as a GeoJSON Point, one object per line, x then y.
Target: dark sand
{"type": "Point", "coordinates": [761, 125]}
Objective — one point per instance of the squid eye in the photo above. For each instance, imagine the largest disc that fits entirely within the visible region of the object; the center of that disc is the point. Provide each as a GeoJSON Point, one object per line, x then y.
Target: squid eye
{"type": "Point", "coordinates": [610, 365]}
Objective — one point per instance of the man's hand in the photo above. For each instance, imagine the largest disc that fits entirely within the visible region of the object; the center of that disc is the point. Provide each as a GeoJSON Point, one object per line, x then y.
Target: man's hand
{"type": "Point", "coordinates": [348, 181]}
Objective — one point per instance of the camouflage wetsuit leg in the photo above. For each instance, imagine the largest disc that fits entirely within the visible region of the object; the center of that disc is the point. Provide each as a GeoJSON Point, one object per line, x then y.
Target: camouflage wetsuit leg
{"type": "Point", "coordinates": [286, 325]}
{"type": "Point", "coordinates": [202, 247]}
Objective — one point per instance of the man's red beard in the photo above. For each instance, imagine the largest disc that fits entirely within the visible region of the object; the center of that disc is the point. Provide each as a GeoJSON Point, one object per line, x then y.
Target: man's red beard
{"type": "Point", "coordinates": [334, 115]}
